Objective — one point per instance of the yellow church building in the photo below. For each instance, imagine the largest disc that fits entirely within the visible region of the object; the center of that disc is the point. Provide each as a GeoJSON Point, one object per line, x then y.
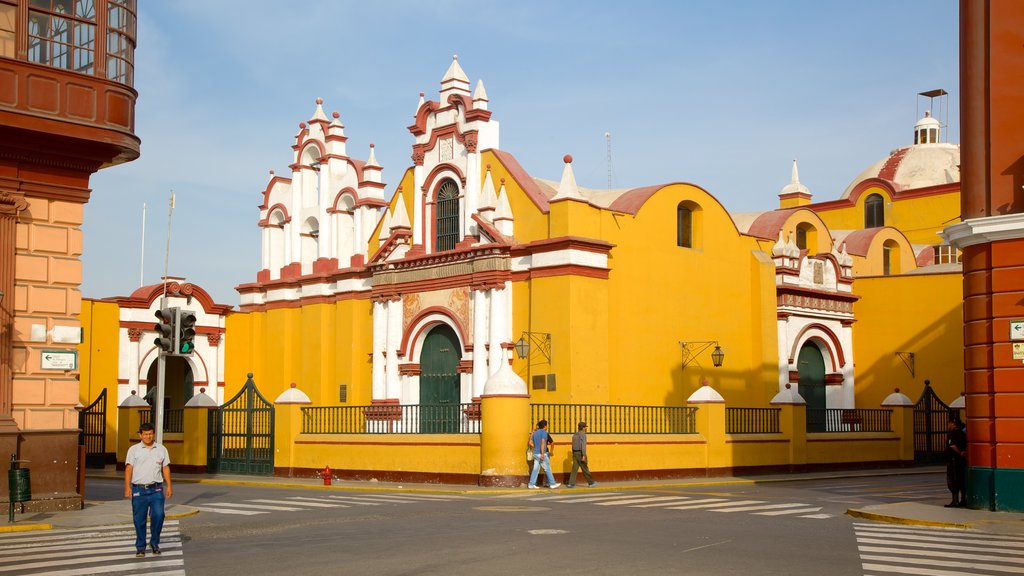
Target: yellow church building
{"type": "Point", "coordinates": [440, 315]}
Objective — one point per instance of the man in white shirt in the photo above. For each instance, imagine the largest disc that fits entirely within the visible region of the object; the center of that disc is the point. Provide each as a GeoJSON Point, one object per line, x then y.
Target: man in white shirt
{"type": "Point", "coordinates": [147, 481]}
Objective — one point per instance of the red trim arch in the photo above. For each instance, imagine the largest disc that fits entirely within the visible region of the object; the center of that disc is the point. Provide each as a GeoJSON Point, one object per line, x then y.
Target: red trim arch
{"type": "Point", "coordinates": [306, 144]}
{"type": "Point", "coordinates": [438, 171]}
{"type": "Point", "coordinates": [145, 296]}
{"type": "Point", "coordinates": [279, 206]}
{"type": "Point", "coordinates": [346, 190]}
{"type": "Point", "coordinates": [423, 323]}
{"type": "Point", "coordinates": [826, 337]}
{"type": "Point", "coordinates": [270, 186]}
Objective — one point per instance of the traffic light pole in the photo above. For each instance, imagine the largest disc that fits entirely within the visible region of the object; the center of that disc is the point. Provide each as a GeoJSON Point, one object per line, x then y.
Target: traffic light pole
{"type": "Point", "coordinates": [161, 361]}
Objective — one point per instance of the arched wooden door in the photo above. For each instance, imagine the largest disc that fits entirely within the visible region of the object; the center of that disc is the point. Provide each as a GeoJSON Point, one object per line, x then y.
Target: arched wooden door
{"type": "Point", "coordinates": [439, 381]}
{"type": "Point", "coordinates": [811, 366]}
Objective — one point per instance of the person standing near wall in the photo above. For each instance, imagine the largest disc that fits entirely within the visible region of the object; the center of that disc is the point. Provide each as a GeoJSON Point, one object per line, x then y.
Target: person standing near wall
{"type": "Point", "coordinates": [147, 481]}
{"type": "Point", "coordinates": [579, 456]}
{"type": "Point", "coordinates": [541, 456]}
{"type": "Point", "coordinates": [956, 465]}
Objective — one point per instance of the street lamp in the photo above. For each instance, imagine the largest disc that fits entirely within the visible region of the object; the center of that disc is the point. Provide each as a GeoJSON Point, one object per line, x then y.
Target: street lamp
{"type": "Point", "coordinates": [541, 340]}
{"type": "Point", "coordinates": [692, 349]}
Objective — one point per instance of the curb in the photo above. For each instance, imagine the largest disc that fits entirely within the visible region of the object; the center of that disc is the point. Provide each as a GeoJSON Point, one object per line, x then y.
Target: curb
{"type": "Point", "coordinates": [903, 521]}
{"type": "Point", "coordinates": [25, 527]}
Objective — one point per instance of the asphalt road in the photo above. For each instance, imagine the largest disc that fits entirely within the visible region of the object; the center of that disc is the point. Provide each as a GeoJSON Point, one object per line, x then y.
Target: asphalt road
{"type": "Point", "coordinates": [789, 528]}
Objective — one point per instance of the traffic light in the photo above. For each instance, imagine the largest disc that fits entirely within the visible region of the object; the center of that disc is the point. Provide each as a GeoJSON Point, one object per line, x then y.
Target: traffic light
{"type": "Point", "coordinates": [186, 332]}
{"type": "Point", "coordinates": [166, 329]}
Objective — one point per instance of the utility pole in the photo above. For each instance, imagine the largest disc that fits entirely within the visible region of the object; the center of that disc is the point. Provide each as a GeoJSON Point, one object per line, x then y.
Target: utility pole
{"type": "Point", "coordinates": [161, 361]}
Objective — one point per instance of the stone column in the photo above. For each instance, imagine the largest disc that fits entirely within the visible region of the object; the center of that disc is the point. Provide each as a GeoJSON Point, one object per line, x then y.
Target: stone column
{"type": "Point", "coordinates": [10, 205]}
{"type": "Point", "coordinates": [497, 334]}
{"type": "Point", "coordinates": [480, 372]}
{"type": "Point", "coordinates": [392, 383]}
{"type": "Point", "coordinates": [134, 351]}
{"type": "Point", "coordinates": [379, 339]}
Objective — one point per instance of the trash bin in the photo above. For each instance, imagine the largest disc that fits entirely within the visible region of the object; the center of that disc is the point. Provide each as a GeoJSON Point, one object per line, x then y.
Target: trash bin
{"type": "Point", "coordinates": [18, 486]}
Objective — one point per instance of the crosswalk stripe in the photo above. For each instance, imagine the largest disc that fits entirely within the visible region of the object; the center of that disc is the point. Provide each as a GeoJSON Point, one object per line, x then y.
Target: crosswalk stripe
{"type": "Point", "coordinates": [435, 496]}
{"type": "Point", "coordinates": [817, 516]}
{"type": "Point", "coordinates": [574, 499]}
{"type": "Point", "coordinates": [314, 502]}
{"type": "Point", "coordinates": [931, 554]}
{"type": "Point", "coordinates": [703, 501]}
{"type": "Point", "coordinates": [944, 563]}
{"type": "Point", "coordinates": [254, 506]}
{"type": "Point", "coordinates": [86, 548]}
{"type": "Point", "coordinates": [661, 504]}
{"type": "Point", "coordinates": [960, 533]}
{"type": "Point", "coordinates": [788, 512]}
{"type": "Point", "coordinates": [950, 538]}
{"type": "Point", "coordinates": [941, 545]}
{"type": "Point", "coordinates": [631, 503]}
{"type": "Point", "coordinates": [907, 570]}
{"type": "Point", "coordinates": [230, 511]}
{"type": "Point", "coordinates": [716, 504]}
{"type": "Point", "coordinates": [72, 561]}
{"type": "Point", "coordinates": [292, 502]}
{"type": "Point", "coordinates": [761, 507]}
{"type": "Point", "coordinates": [375, 500]}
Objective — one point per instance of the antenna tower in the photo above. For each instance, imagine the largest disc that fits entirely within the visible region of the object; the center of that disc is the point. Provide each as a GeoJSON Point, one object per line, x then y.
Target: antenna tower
{"type": "Point", "coordinates": [608, 142]}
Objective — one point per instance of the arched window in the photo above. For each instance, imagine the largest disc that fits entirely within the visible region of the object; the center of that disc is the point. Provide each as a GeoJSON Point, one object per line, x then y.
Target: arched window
{"type": "Point", "coordinates": [874, 211]}
{"type": "Point", "coordinates": [446, 216]}
{"type": "Point", "coordinates": [807, 237]}
{"type": "Point", "coordinates": [890, 258]}
{"type": "Point", "coordinates": [684, 226]}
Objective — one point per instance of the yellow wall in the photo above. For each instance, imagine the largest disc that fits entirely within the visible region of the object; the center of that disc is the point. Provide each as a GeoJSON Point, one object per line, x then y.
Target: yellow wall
{"type": "Point", "coordinates": [98, 359]}
{"type": "Point", "coordinates": [919, 313]}
{"type": "Point", "coordinates": [318, 347]}
{"type": "Point", "coordinates": [661, 294]}
{"type": "Point", "coordinates": [919, 218]}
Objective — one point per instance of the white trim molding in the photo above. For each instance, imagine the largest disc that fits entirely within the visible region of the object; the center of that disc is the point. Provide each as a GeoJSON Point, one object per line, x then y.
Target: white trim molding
{"type": "Point", "coordinates": [984, 230]}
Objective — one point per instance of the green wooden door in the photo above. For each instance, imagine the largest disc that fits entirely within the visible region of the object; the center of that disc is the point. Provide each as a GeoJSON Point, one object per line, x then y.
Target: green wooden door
{"type": "Point", "coordinates": [439, 381]}
{"type": "Point", "coordinates": [812, 386]}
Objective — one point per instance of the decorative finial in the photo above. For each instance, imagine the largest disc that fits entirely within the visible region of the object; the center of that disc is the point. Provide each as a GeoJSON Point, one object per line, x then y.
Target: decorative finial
{"type": "Point", "coordinates": [788, 386]}
{"type": "Point", "coordinates": [421, 94]}
{"type": "Point", "coordinates": [293, 385]}
{"type": "Point", "coordinates": [567, 158]}
{"type": "Point", "coordinates": [897, 389]}
{"type": "Point", "coordinates": [302, 125]}
{"type": "Point", "coordinates": [202, 390]}
{"type": "Point", "coordinates": [335, 114]}
{"type": "Point", "coordinates": [371, 145]}
{"type": "Point", "coordinates": [455, 56]}
{"type": "Point", "coordinates": [134, 392]}
{"type": "Point", "coordinates": [319, 101]}
{"type": "Point", "coordinates": [271, 171]}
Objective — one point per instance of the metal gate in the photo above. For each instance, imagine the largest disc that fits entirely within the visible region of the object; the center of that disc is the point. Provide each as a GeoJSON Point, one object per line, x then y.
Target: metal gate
{"type": "Point", "coordinates": [92, 421]}
{"type": "Point", "coordinates": [930, 418]}
{"type": "Point", "coordinates": [242, 434]}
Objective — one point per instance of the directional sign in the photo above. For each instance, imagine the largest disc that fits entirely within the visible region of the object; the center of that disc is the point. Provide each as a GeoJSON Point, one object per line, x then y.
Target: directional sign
{"type": "Point", "coordinates": [58, 360]}
{"type": "Point", "coordinates": [1016, 329]}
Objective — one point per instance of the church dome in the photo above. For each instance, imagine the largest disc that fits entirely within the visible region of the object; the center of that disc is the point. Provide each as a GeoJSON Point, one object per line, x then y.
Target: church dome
{"type": "Point", "coordinates": [928, 162]}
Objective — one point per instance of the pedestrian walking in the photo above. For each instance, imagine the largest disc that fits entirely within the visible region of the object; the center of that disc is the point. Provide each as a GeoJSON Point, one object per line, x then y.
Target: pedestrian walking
{"type": "Point", "coordinates": [579, 456]}
{"type": "Point", "coordinates": [956, 464]}
{"type": "Point", "coordinates": [541, 456]}
{"type": "Point", "coordinates": [147, 481]}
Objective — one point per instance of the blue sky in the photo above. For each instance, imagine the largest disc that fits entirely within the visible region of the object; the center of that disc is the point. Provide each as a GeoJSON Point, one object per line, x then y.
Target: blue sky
{"type": "Point", "coordinates": [723, 94]}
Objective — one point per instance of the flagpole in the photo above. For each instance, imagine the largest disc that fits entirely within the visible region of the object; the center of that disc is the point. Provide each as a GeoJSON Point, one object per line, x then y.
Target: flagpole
{"type": "Point", "coordinates": [142, 250]}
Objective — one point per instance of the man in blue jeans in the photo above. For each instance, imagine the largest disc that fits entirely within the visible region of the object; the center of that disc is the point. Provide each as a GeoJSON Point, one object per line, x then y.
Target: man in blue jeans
{"type": "Point", "coordinates": [147, 481]}
{"type": "Point", "coordinates": [539, 445]}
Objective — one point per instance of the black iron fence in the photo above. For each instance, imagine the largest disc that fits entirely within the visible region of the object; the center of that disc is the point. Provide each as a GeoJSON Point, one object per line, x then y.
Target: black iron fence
{"type": "Point", "coordinates": [605, 419]}
{"type": "Point", "coordinates": [174, 419]}
{"type": "Point", "coordinates": [392, 419]}
{"type": "Point", "coordinates": [752, 420]}
{"type": "Point", "coordinates": [849, 420]}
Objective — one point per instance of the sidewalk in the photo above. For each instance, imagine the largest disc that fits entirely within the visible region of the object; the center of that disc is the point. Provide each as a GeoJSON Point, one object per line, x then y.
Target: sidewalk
{"type": "Point", "coordinates": [913, 513]}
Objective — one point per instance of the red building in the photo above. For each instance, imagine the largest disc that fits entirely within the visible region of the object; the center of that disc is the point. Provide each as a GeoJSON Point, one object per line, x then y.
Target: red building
{"type": "Point", "coordinates": [991, 237]}
{"type": "Point", "coordinates": [67, 109]}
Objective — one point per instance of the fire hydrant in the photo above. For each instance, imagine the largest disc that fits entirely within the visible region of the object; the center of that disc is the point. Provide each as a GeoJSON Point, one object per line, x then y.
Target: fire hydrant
{"type": "Point", "coordinates": [326, 475]}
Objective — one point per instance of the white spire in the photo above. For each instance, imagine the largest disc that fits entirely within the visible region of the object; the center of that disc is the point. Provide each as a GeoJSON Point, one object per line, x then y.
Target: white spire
{"type": "Point", "coordinates": [503, 213]}
{"type": "Point", "coordinates": [454, 79]}
{"type": "Point", "coordinates": [779, 249]}
{"type": "Point", "coordinates": [400, 219]}
{"type": "Point", "coordinates": [488, 197]}
{"type": "Point", "coordinates": [372, 160]}
{"type": "Point", "coordinates": [567, 187]}
{"type": "Point", "coordinates": [319, 113]}
{"type": "Point", "coordinates": [480, 96]}
{"type": "Point", "coordinates": [794, 185]}
{"type": "Point", "coordinates": [385, 227]}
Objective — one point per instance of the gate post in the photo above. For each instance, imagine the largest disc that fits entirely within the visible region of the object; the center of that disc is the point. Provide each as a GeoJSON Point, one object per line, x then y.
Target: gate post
{"type": "Point", "coordinates": [128, 422]}
{"type": "Point", "coordinates": [793, 424]}
{"type": "Point", "coordinates": [504, 428]}
{"type": "Point", "coordinates": [196, 432]}
{"type": "Point", "coordinates": [287, 427]}
{"type": "Point", "coordinates": [902, 422]}
{"type": "Point", "coordinates": [711, 425]}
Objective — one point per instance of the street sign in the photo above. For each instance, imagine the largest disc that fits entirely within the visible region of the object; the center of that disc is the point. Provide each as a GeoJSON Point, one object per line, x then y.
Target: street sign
{"type": "Point", "coordinates": [58, 360]}
{"type": "Point", "coordinates": [1016, 329]}
{"type": "Point", "coordinates": [1018, 350]}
